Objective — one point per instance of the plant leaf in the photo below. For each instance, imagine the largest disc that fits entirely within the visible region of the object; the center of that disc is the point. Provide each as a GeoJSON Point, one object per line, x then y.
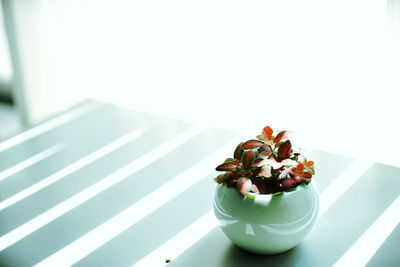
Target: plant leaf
{"type": "Point", "coordinates": [238, 151]}
{"type": "Point", "coordinates": [248, 158]}
{"type": "Point", "coordinates": [229, 160]}
{"type": "Point", "coordinates": [297, 178]}
{"type": "Point", "coordinates": [300, 167]}
{"type": "Point", "coordinates": [230, 182]}
{"type": "Point", "coordinates": [227, 167]}
{"type": "Point", "coordinates": [257, 162]}
{"type": "Point", "coordinates": [254, 189]}
{"type": "Point", "coordinates": [289, 162]}
{"type": "Point", "coordinates": [289, 183]}
{"type": "Point", "coordinates": [267, 132]}
{"type": "Point", "coordinates": [280, 136]}
{"type": "Point", "coordinates": [244, 185]}
{"type": "Point", "coordinates": [265, 171]}
{"type": "Point", "coordinates": [261, 137]}
{"type": "Point", "coordinates": [252, 144]}
{"type": "Point", "coordinates": [311, 170]}
{"type": "Point", "coordinates": [284, 150]}
{"type": "Point", "coordinates": [220, 179]}
{"type": "Point", "coordinates": [284, 173]}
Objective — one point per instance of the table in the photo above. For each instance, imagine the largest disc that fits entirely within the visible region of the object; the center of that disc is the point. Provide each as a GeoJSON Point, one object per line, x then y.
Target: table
{"type": "Point", "coordinates": [103, 186]}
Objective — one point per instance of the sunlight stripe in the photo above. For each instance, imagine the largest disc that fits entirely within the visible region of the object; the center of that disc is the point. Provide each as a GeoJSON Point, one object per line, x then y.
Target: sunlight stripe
{"type": "Point", "coordinates": [342, 183]}
{"type": "Point", "coordinates": [47, 126]}
{"type": "Point", "coordinates": [180, 242]}
{"type": "Point", "coordinates": [72, 168]}
{"type": "Point", "coordinates": [372, 239]}
{"type": "Point", "coordinates": [79, 198]}
{"type": "Point", "coordinates": [122, 221]}
{"type": "Point", "coordinates": [31, 161]}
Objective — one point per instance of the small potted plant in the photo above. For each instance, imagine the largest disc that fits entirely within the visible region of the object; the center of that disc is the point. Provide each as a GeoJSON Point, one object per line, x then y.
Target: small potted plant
{"type": "Point", "coordinates": [265, 199]}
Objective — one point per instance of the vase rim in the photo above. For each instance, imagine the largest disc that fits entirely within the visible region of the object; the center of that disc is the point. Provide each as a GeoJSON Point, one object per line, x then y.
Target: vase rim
{"type": "Point", "coordinates": [302, 187]}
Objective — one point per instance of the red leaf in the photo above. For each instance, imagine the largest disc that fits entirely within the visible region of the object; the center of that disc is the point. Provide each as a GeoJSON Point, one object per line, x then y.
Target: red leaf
{"type": "Point", "coordinates": [230, 182]}
{"type": "Point", "coordinates": [307, 175]}
{"type": "Point", "coordinates": [289, 183]}
{"type": "Point", "coordinates": [284, 150]}
{"type": "Point", "coordinates": [248, 158]}
{"type": "Point", "coordinates": [256, 163]}
{"type": "Point", "coordinates": [235, 175]}
{"type": "Point", "coordinates": [310, 163]}
{"type": "Point", "coordinates": [300, 167]}
{"type": "Point", "coordinates": [238, 151]}
{"type": "Point", "coordinates": [281, 136]}
{"type": "Point", "coordinates": [227, 167]}
{"type": "Point", "coordinates": [267, 132]}
{"type": "Point", "coordinates": [252, 144]}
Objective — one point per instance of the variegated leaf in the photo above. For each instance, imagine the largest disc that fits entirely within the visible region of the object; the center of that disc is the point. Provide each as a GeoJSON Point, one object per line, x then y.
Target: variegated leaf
{"type": "Point", "coordinates": [248, 158]}
{"type": "Point", "coordinates": [265, 171]}
{"type": "Point", "coordinates": [267, 132]}
{"type": "Point", "coordinates": [282, 136]}
{"type": "Point", "coordinates": [244, 185]}
{"type": "Point", "coordinates": [227, 167]}
{"type": "Point", "coordinates": [220, 178]}
{"type": "Point", "coordinates": [257, 163]}
{"type": "Point", "coordinates": [229, 160]}
{"type": "Point", "coordinates": [279, 136]}
{"type": "Point", "coordinates": [260, 137]}
{"type": "Point", "coordinates": [284, 150]}
{"type": "Point", "coordinates": [238, 151]}
{"type": "Point", "coordinates": [252, 144]}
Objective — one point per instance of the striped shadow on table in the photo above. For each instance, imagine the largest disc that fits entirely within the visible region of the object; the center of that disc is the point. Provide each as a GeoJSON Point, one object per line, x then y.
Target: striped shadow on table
{"type": "Point", "coordinates": [72, 224]}
{"type": "Point", "coordinates": [79, 139]}
{"type": "Point", "coordinates": [50, 132]}
{"type": "Point", "coordinates": [138, 200]}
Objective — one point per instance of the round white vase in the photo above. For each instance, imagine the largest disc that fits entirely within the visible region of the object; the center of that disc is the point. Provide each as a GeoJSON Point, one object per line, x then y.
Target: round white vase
{"type": "Point", "coordinates": [267, 224]}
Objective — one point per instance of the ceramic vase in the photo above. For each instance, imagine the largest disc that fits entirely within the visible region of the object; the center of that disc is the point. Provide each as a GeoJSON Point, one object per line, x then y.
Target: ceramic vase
{"type": "Point", "coordinates": [267, 223]}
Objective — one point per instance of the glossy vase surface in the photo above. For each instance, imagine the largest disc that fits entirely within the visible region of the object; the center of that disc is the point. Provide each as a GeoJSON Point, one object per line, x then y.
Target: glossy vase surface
{"type": "Point", "coordinates": [267, 224]}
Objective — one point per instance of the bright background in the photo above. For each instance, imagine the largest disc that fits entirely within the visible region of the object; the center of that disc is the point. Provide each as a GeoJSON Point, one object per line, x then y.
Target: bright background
{"type": "Point", "coordinates": [327, 70]}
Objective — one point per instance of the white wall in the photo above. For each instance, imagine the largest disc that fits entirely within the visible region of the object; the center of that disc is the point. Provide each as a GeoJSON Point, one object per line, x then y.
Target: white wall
{"type": "Point", "coordinates": [325, 69]}
{"type": "Point", "coordinates": [5, 64]}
